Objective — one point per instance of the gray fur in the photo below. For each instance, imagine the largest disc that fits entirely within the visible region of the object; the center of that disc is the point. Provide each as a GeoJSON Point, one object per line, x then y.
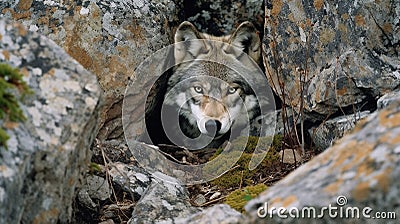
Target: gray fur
{"type": "Point", "coordinates": [216, 68]}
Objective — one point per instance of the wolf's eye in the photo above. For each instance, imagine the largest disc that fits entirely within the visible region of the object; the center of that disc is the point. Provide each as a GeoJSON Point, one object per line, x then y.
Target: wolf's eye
{"type": "Point", "coordinates": [232, 90]}
{"type": "Point", "coordinates": [198, 89]}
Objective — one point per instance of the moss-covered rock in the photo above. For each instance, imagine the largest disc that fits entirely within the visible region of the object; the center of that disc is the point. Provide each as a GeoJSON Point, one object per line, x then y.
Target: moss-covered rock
{"type": "Point", "coordinates": [240, 174]}
{"type": "Point", "coordinates": [11, 82]}
{"type": "Point", "coordinates": [239, 198]}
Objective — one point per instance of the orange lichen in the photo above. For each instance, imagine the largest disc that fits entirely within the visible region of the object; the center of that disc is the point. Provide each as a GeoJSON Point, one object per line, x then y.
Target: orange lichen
{"type": "Point", "coordinates": [275, 201]}
{"type": "Point", "coordinates": [276, 7]}
{"type": "Point", "coordinates": [388, 119]}
{"type": "Point", "coordinates": [47, 216]}
{"type": "Point", "coordinates": [318, 4]}
{"type": "Point", "coordinates": [359, 19]}
{"type": "Point", "coordinates": [387, 28]}
{"type": "Point", "coordinates": [289, 201]}
{"type": "Point", "coordinates": [51, 72]}
{"type": "Point", "coordinates": [137, 32]}
{"type": "Point", "coordinates": [327, 35]}
{"type": "Point", "coordinates": [6, 54]}
{"type": "Point", "coordinates": [80, 55]}
{"type": "Point", "coordinates": [341, 92]}
{"type": "Point", "coordinates": [24, 71]}
{"type": "Point", "coordinates": [71, 181]}
{"type": "Point", "coordinates": [390, 138]}
{"type": "Point", "coordinates": [383, 179]}
{"type": "Point", "coordinates": [360, 125]}
{"type": "Point", "coordinates": [17, 16]}
{"type": "Point", "coordinates": [361, 191]}
{"type": "Point", "coordinates": [345, 16]}
{"type": "Point", "coordinates": [364, 170]}
{"type": "Point", "coordinates": [24, 5]}
{"type": "Point", "coordinates": [21, 29]}
{"type": "Point", "coordinates": [354, 152]}
{"type": "Point", "coordinates": [10, 125]}
{"type": "Point", "coordinates": [334, 186]}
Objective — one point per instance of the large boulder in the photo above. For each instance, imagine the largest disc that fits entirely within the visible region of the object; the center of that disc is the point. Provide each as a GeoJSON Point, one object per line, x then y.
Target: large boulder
{"type": "Point", "coordinates": [47, 153]}
{"type": "Point", "coordinates": [360, 172]}
{"type": "Point", "coordinates": [109, 38]}
{"type": "Point", "coordinates": [344, 53]}
{"type": "Point", "coordinates": [163, 200]}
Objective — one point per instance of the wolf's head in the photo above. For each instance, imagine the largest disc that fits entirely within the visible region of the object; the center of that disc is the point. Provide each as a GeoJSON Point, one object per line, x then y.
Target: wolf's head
{"type": "Point", "coordinates": [207, 86]}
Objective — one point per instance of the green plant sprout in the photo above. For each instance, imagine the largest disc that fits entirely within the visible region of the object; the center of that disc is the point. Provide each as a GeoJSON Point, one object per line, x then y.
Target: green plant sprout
{"type": "Point", "coordinates": [11, 83]}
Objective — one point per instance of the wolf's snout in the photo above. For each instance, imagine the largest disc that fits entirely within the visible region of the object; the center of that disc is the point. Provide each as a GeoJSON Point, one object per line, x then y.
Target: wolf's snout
{"type": "Point", "coordinates": [213, 126]}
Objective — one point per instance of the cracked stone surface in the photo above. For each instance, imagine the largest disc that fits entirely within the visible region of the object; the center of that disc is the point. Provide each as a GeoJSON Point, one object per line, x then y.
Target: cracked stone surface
{"type": "Point", "coordinates": [347, 49]}
{"type": "Point", "coordinates": [220, 17]}
{"type": "Point", "coordinates": [363, 166]}
{"type": "Point", "coordinates": [162, 202]}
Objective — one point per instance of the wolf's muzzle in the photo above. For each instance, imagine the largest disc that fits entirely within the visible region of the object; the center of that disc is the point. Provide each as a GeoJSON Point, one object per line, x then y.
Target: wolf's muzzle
{"type": "Point", "coordinates": [213, 127]}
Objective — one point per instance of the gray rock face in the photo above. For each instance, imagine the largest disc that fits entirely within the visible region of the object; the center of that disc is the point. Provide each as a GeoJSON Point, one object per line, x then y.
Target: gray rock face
{"type": "Point", "coordinates": [325, 134]}
{"type": "Point", "coordinates": [388, 99]}
{"type": "Point", "coordinates": [109, 38]}
{"type": "Point", "coordinates": [130, 178]}
{"type": "Point", "coordinates": [363, 167]}
{"type": "Point", "coordinates": [162, 202]}
{"type": "Point", "coordinates": [46, 154]}
{"type": "Point", "coordinates": [219, 17]}
{"type": "Point", "coordinates": [221, 214]}
{"type": "Point", "coordinates": [94, 188]}
{"type": "Point", "coordinates": [344, 52]}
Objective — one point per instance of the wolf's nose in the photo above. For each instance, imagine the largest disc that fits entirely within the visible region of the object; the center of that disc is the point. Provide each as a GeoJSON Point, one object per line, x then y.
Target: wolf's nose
{"type": "Point", "coordinates": [213, 126]}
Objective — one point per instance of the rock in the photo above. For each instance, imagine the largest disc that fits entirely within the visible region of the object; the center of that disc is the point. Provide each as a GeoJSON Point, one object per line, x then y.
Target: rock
{"type": "Point", "coordinates": [290, 156]}
{"type": "Point", "coordinates": [47, 153]}
{"type": "Point", "coordinates": [344, 52]}
{"type": "Point", "coordinates": [329, 131]}
{"type": "Point", "coordinates": [94, 190]}
{"type": "Point", "coordinates": [163, 201]}
{"type": "Point", "coordinates": [199, 200]}
{"type": "Point", "coordinates": [360, 171]}
{"type": "Point", "coordinates": [109, 38]}
{"type": "Point", "coordinates": [132, 179]}
{"type": "Point", "coordinates": [219, 17]}
{"type": "Point", "coordinates": [108, 221]}
{"type": "Point", "coordinates": [221, 213]}
{"type": "Point", "coordinates": [97, 187]}
{"type": "Point", "coordinates": [388, 98]}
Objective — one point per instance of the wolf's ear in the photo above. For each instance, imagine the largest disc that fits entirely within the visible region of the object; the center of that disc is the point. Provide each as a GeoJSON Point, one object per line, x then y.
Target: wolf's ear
{"type": "Point", "coordinates": [186, 44]}
{"type": "Point", "coordinates": [246, 38]}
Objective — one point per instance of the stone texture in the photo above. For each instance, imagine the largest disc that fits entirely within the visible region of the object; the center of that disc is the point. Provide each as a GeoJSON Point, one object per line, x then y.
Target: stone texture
{"type": "Point", "coordinates": [328, 132]}
{"type": "Point", "coordinates": [96, 189]}
{"type": "Point", "coordinates": [132, 179]}
{"type": "Point", "coordinates": [162, 202]}
{"type": "Point", "coordinates": [218, 214]}
{"type": "Point", "coordinates": [363, 166]}
{"type": "Point", "coordinates": [388, 99]}
{"type": "Point", "coordinates": [109, 38]}
{"type": "Point", "coordinates": [48, 152]}
{"type": "Point", "coordinates": [345, 52]}
{"type": "Point", "coordinates": [219, 17]}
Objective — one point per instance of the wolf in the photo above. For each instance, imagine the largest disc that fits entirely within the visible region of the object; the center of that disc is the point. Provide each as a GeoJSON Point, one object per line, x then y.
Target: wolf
{"type": "Point", "coordinates": [208, 99]}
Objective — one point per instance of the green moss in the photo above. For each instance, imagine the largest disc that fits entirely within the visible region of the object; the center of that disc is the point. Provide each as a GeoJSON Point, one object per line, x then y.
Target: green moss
{"type": "Point", "coordinates": [94, 168]}
{"type": "Point", "coordinates": [240, 175]}
{"type": "Point", "coordinates": [239, 198]}
{"type": "Point", "coordinates": [11, 84]}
